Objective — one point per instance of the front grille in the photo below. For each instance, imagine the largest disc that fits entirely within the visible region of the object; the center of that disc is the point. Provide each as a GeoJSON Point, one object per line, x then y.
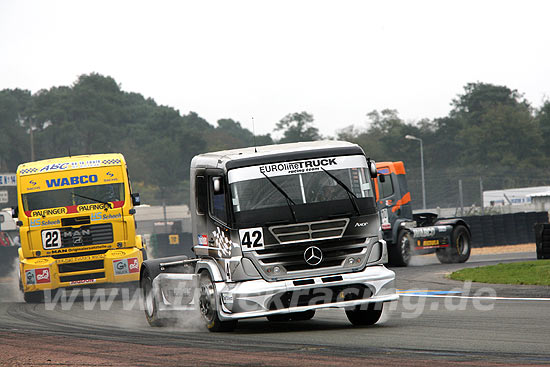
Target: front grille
{"type": "Point", "coordinates": [291, 256]}
{"type": "Point", "coordinates": [96, 234]}
{"type": "Point", "coordinates": [82, 266]}
{"type": "Point", "coordinates": [319, 296]}
{"type": "Point", "coordinates": [78, 254]}
{"type": "Point", "coordinates": [72, 278]}
{"type": "Point", "coordinates": [293, 233]}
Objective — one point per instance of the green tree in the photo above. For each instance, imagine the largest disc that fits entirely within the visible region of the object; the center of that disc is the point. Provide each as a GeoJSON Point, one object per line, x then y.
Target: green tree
{"type": "Point", "coordinates": [297, 127]}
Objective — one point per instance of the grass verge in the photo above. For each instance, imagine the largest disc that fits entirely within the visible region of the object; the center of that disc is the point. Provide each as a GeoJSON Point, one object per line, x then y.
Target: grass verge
{"type": "Point", "coordinates": [528, 273]}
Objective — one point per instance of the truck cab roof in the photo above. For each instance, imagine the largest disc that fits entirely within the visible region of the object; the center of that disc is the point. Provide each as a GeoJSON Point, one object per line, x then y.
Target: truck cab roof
{"type": "Point", "coordinates": [98, 159]}
{"type": "Point", "coordinates": [244, 157]}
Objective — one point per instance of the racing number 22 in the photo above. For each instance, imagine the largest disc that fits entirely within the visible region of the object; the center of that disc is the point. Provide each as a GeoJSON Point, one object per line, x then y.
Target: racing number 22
{"type": "Point", "coordinates": [51, 239]}
{"type": "Point", "coordinates": [251, 239]}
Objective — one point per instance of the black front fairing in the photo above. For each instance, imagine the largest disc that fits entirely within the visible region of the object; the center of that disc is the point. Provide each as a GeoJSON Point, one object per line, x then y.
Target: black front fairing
{"type": "Point", "coordinates": [304, 212]}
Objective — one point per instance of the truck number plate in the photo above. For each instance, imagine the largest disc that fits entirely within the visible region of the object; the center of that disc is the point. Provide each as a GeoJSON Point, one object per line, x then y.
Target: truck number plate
{"type": "Point", "coordinates": [51, 238]}
{"type": "Point", "coordinates": [252, 239]}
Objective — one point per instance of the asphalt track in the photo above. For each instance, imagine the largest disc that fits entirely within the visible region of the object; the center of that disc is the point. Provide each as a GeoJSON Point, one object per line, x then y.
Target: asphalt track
{"type": "Point", "coordinates": [435, 322]}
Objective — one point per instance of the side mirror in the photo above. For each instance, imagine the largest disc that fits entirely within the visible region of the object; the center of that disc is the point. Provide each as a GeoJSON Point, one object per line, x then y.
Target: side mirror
{"type": "Point", "coordinates": [372, 168]}
{"type": "Point", "coordinates": [14, 211]}
{"type": "Point", "coordinates": [217, 185]}
{"type": "Point", "coordinates": [136, 200]}
{"type": "Point", "coordinates": [382, 178]}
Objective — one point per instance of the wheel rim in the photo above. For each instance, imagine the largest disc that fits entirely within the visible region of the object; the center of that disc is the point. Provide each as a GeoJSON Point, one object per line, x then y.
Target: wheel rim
{"type": "Point", "coordinates": [206, 299]}
{"type": "Point", "coordinates": [405, 249]}
{"type": "Point", "coordinates": [462, 244]}
{"type": "Point", "coordinates": [149, 299]}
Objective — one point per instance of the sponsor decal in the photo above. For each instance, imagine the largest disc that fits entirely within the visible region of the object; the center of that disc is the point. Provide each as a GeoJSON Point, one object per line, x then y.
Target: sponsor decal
{"type": "Point", "coordinates": [427, 243]}
{"type": "Point", "coordinates": [423, 232]}
{"type": "Point", "coordinates": [70, 181]}
{"type": "Point", "coordinates": [117, 253]}
{"type": "Point", "coordinates": [54, 167]}
{"type": "Point", "coordinates": [98, 206]}
{"type": "Point", "coordinates": [37, 276]}
{"type": "Point", "coordinates": [101, 216]}
{"type": "Point", "coordinates": [295, 167]}
{"type": "Point", "coordinates": [44, 222]}
{"type": "Point", "coordinates": [361, 224]}
{"type": "Point", "coordinates": [223, 243]}
{"type": "Point", "coordinates": [384, 171]}
{"type": "Point", "coordinates": [32, 182]}
{"type": "Point", "coordinates": [78, 249]}
{"type": "Point", "coordinates": [126, 266]}
{"type": "Point", "coordinates": [81, 258]}
{"type": "Point", "coordinates": [48, 212]}
{"type": "Point", "coordinates": [84, 281]}
{"type": "Point", "coordinates": [110, 174]}
{"type": "Point", "coordinates": [203, 240]}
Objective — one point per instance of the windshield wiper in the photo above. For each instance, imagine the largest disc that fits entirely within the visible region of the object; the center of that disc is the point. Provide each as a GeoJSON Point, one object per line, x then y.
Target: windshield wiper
{"type": "Point", "coordinates": [288, 199]}
{"type": "Point", "coordinates": [92, 199]}
{"type": "Point", "coordinates": [352, 197]}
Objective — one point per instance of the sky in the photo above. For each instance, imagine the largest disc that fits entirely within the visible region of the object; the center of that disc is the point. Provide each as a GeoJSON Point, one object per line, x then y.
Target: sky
{"type": "Point", "coordinates": [337, 60]}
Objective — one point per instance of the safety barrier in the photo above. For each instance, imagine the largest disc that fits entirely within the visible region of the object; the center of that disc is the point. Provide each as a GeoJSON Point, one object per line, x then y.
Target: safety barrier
{"type": "Point", "coordinates": [504, 229]}
{"type": "Point", "coordinates": [542, 234]}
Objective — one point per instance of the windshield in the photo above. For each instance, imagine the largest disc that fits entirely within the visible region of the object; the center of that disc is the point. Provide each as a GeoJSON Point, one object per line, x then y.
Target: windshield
{"type": "Point", "coordinates": [304, 186]}
{"type": "Point", "coordinates": [73, 196]}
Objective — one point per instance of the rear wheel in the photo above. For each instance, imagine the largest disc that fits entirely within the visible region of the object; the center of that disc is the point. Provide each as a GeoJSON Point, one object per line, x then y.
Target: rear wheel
{"type": "Point", "coordinates": [150, 301]}
{"type": "Point", "coordinates": [459, 249]}
{"type": "Point", "coordinates": [208, 305]}
{"type": "Point", "coordinates": [400, 253]}
{"type": "Point", "coordinates": [365, 315]}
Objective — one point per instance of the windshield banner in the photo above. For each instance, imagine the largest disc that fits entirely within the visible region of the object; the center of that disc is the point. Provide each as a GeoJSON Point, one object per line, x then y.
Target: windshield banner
{"type": "Point", "coordinates": [72, 178]}
{"type": "Point", "coordinates": [296, 167]}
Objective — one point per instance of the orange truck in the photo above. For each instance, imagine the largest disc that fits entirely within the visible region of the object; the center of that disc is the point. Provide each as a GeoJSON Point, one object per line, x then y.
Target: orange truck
{"type": "Point", "coordinates": [406, 233]}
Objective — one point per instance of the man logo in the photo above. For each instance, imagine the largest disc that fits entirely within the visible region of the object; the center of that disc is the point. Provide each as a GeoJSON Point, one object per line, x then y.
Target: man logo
{"type": "Point", "coordinates": [313, 255]}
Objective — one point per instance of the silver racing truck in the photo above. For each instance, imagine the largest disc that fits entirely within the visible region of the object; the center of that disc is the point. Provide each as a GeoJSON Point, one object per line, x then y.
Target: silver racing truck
{"type": "Point", "coordinates": [279, 231]}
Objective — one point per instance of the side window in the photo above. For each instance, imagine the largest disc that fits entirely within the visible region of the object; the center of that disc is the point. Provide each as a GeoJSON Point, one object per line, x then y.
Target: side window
{"type": "Point", "coordinates": [217, 199]}
{"type": "Point", "coordinates": [386, 187]}
{"type": "Point", "coordinates": [200, 195]}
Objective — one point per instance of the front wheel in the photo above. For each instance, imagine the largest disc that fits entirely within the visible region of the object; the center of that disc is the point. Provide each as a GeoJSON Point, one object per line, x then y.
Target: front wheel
{"type": "Point", "coordinates": [400, 253]}
{"type": "Point", "coordinates": [208, 305]}
{"type": "Point", "coordinates": [33, 297]}
{"type": "Point", "coordinates": [363, 315]}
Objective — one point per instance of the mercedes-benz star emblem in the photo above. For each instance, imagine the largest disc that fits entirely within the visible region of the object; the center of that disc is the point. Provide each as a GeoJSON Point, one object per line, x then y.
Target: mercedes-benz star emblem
{"type": "Point", "coordinates": [313, 255]}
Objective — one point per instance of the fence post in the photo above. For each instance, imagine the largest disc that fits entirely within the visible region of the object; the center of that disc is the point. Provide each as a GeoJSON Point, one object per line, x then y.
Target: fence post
{"type": "Point", "coordinates": [461, 198]}
{"type": "Point", "coordinates": [481, 196]}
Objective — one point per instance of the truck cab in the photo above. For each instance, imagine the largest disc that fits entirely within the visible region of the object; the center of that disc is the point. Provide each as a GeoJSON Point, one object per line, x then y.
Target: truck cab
{"type": "Point", "coordinates": [280, 231]}
{"type": "Point", "coordinates": [422, 233]}
{"type": "Point", "coordinates": [76, 224]}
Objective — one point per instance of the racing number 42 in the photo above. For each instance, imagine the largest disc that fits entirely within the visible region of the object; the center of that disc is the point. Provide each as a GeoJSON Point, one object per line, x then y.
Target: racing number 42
{"type": "Point", "coordinates": [251, 239]}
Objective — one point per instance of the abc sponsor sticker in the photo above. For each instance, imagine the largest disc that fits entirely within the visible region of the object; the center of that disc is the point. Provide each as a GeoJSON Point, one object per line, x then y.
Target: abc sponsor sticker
{"type": "Point", "coordinates": [37, 276]}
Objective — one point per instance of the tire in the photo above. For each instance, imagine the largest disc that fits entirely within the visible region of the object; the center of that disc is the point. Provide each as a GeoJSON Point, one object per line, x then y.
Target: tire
{"type": "Point", "coordinates": [359, 316]}
{"type": "Point", "coordinates": [280, 317]}
{"type": "Point", "coordinates": [208, 305]}
{"type": "Point", "coordinates": [150, 303]}
{"type": "Point", "coordinates": [400, 253]}
{"type": "Point", "coordinates": [459, 249]}
{"type": "Point", "coordinates": [302, 316]}
{"type": "Point", "coordinates": [34, 297]}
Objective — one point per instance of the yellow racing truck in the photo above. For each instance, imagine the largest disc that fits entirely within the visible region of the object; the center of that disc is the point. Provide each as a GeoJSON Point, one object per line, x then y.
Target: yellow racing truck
{"type": "Point", "coordinates": [76, 224]}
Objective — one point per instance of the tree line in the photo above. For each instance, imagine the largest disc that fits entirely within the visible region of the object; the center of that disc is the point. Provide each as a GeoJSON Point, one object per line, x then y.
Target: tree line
{"type": "Point", "coordinates": [491, 131]}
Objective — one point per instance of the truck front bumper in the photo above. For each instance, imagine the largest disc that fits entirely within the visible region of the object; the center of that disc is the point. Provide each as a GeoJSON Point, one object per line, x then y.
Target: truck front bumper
{"type": "Point", "coordinates": [113, 266]}
{"type": "Point", "coordinates": [256, 298]}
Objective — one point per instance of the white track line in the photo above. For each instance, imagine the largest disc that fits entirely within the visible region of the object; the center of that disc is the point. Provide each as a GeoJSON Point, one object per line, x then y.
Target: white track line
{"type": "Point", "coordinates": [471, 297]}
